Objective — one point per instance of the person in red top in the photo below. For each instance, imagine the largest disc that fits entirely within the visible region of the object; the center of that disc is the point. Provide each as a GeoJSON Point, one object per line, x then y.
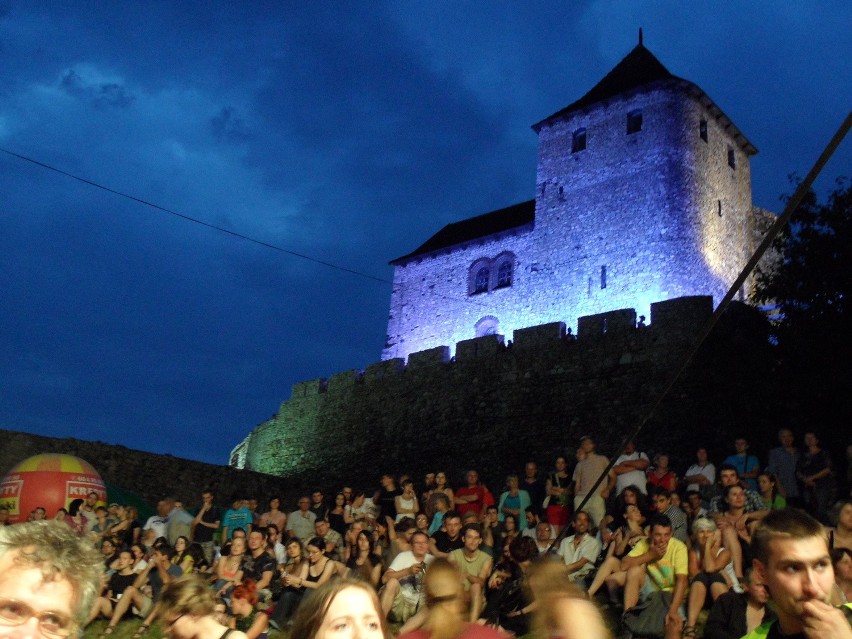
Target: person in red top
{"type": "Point", "coordinates": [471, 498]}
{"type": "Point", "coordinates": [661, 475]}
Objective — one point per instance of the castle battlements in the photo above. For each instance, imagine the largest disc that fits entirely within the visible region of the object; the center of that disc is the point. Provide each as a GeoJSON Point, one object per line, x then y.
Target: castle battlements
{"type": "Point", "coordinates": [306, 431]}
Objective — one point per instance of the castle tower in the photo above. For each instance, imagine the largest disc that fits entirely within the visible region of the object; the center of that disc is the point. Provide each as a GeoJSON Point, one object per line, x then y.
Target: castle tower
{"type": "Point", "coordinates": [643, 193]}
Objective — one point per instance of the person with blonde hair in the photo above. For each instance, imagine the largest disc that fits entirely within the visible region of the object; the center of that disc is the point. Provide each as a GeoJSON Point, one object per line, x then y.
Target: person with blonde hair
{"type": "Point", "coordinates": [341, 609]}
{"type": "Point", "coordinates": [562, 608]}
{"type": "Point", "coordinates": [447, 610]}
{"type": "Point", "coordinates": [47, 573]}
{"type": "Point", "coordinates": [187, 610]}
{"type": "Point", "coordinates": [711, 571]}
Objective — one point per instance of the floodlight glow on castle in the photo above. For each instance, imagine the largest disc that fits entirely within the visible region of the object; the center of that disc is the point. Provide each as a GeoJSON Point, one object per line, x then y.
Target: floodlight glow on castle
{"type": "Point", "coordinates": [643, 193]}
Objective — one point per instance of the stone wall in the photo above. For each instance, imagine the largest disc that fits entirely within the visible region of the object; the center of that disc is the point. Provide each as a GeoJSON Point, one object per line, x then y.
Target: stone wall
{"type": "Point", "coordinates": [150, 476]}
{"type": "Point", "coordinates": [495, 405]}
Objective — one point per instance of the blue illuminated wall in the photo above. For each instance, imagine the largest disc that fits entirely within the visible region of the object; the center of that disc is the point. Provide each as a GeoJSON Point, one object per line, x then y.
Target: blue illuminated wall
{"type": "Point", "coordinates": [633, 218]}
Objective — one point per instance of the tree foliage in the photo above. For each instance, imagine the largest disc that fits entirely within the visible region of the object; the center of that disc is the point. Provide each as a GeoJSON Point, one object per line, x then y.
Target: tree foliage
{"type": "Point", "coordinates": [810, 283]}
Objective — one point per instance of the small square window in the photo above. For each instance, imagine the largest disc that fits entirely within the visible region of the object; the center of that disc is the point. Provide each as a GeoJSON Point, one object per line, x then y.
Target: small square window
{"type": "Point", "coordinates": [634, 121]}
{"type": "Point", "coordinates": [732, 159]}
{"type": "Point", "coordinates": [578, 141]}
{"type": "Point", "coordinates": [702, 129]}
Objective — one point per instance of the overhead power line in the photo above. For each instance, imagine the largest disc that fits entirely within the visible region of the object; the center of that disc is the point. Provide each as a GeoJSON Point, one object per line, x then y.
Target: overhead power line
{"type": "Point", "coordinates": [194, 219]}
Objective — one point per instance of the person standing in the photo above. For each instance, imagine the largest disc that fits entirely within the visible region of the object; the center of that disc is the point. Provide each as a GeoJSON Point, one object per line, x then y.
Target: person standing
{"type": "Point", "coordinates": [814, 471]}
{"type": "Point", "coordinates": [630, 469]}
{"type": "Point", "coordinates": [701, 476]}
{"type": "Point", "coordinates": [586, 473]}
{"type": "Point", "coordinates": [534, 486]}
{"type": "Point", "coordinates": [748, 467]}
{"type": "Point", "coordinates": [782, 463]}
{"type": "Point", "coordinates": [205, 524]}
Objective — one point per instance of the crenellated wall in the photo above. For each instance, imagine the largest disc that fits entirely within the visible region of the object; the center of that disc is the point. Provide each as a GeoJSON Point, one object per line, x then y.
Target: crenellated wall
{"type": "Point", "coordinates": [497, 403]}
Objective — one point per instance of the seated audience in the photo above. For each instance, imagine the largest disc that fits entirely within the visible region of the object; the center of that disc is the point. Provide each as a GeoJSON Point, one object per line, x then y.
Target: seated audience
{"type": "Point", "coordinates": [662, 499]}
{"type": "Point", "coordinates": [562, 610]}
{"type": "Point", "coordinates": [735, 614]}
{"type": "Point", "coordinates": [291, 590]}
{"type": "Point", "coordinates": [841, 560]}
{"type": "Point", "coordinates": [711, 571]}
{"type": "Point", "coordinates": [444, 541]}
{"type": "Point", "coordinates": [274, 515]}
{"type": "Point", "coordinates": [658, 563]}
{"type": "Point", "coordinates": [446, 615]}
{"type": "Point", "coordinates": [365, 563]}
{"type": "Point", "coordinates": [402, 594]}
{"type": "Point", "coordinates": [509, 605]}
{"type": "Point", "coordinates": [580, 551]}
{"type": "Point", "coordinates": [247, 618]}
{"type": "Point", "coordinates": [623, 541]}
{"type": "Point", "coordinates": [475, 568]}
{"type": "Point", "coordinates": [114, 587]}
{"type": "Point", "coordinates": [767, 485]}
{"type": "Point", "coordinates": [334, 546]}
{"type": "Point", "coordinates": [187, 611]}
{"type": "Point", "coordinates": [406, 503]}
{"type": "Point", "coordinates": [300, 523]}
{"type": "Point", "coordinates": [142, 596]}
{"type": "Point", "coordinates": [737, 524]}
{"type": "Point", "coordinates": [229, 568]}
{"type": "Point", "coordinates": [345, 604]}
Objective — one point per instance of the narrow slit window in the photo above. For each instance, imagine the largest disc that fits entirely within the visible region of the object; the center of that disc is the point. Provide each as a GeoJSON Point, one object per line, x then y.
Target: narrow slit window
{"type": "Point", "coordinates": [634, 121]}
{"type": "Point", "coordinates": [702, 129]}
{"type": "Point", "coordinates": [578, 141]}
{"type": "Point", "coordinates": [732, 159]}
{"type": "Point", "coordinates": [603, 276]}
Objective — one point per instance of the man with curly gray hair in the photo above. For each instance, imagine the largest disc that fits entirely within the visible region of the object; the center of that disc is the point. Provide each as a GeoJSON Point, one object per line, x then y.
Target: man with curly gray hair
{"type": "Point", "coordinates": [48, 579]}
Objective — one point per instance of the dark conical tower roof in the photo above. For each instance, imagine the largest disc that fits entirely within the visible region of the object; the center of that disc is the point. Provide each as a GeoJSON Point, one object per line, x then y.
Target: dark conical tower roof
{"type": "Point", "coordinates": [638, 68]}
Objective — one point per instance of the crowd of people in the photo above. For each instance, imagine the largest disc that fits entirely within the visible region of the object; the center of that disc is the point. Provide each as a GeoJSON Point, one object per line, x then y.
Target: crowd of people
{"type": "Point", "coordinates": [437, 560]}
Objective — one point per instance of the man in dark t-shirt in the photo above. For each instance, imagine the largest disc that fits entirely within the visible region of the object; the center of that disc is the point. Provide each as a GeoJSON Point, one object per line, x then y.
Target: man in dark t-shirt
{"type": "Point", "coordinates": [443, 542]}
{"type": "Point", "coordinates": [385, 498]}
{"type": "Point", "coordinates": [205, 523]}
{"type": "Point", "coordinates": [258, 564]}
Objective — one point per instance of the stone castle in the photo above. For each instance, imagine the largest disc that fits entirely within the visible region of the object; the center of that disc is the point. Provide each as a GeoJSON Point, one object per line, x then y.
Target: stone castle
{"type": "Point", "coordinates": [643, 195]}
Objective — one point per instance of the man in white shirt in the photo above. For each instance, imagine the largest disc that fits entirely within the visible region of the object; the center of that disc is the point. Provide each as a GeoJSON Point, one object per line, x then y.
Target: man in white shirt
{"type": "Point", "coordinates": [300, 523]}
{"type": "Point", "coordinates": [630, 469]}
{"type": "Point", "coordinates": [701, 476]}
{"type": "Point", "coordinates": [403, 581]}
{"type": "Point", "coordinates": [580, 550]}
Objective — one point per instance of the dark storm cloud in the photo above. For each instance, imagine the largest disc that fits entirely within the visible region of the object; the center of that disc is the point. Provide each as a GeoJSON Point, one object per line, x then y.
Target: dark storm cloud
{"type": "Point", "coordinates": [348, 132]}
{"type": "Point", "coordinates": [228, 126]}
{"type": "Point", "coordinates": [100, 93]}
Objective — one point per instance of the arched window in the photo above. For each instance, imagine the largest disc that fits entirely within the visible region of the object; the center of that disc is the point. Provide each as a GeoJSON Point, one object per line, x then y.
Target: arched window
{"type": "Point", "coordinates": [504, 274]}
{"type": "Point", "coordinates": [481, 283]}
{"type": "Point", "coordinates": [486, 326]}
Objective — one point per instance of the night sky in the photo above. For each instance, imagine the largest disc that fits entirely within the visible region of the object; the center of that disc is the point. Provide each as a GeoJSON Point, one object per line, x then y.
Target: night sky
{"type": "Point", "coordinates": [345, 131]}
